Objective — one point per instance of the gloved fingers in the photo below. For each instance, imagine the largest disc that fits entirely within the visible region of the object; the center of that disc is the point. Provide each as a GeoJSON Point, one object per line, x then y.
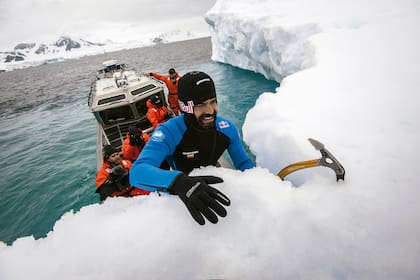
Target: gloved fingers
{"type": "Point", "coordinates": [210, 179]}
{"type": "Point", "coordinates": [202, 206]}
{"type": "Point", "coordinates": [118, 171]}
{"type": "Point", "coordinates": [218, 196]}
{"type": "Point", "coordinates": [213, 204]}
{"type": "Point", "coordinates": [195, 214]}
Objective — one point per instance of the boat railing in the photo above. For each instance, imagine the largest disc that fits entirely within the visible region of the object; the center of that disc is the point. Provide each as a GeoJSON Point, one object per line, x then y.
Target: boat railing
{"type": "Point", "coordinates": [116, 134]}
{"type": "Point", "coordinates": [92, 90]}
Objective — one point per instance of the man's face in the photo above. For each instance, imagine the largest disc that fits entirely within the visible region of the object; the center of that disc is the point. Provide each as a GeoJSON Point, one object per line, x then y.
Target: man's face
{"type": "Point", "coordinates": [158, 103]}
{"type": "Point", "coordinates": [172, 76]}
{"type": "Point", "coordinates": [114, 158]}
{"type": "Point", "coordinates": [206, 112]}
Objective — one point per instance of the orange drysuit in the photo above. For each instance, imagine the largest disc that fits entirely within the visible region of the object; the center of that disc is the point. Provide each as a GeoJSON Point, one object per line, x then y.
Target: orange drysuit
{"type": "Point", "coordinates": [172, 89]}
{"type": "Point", "coordinates": [106, 187]}
{"type": "Point", "coordinates": [103, 173]}
{"type": "Point", "coordinates": [132, 152]}
{"type": "Point", "coordinates": [157, 115]}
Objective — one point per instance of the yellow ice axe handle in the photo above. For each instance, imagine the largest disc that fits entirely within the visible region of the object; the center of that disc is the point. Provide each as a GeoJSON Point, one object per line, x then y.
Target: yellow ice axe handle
{"type": "Point", "coordinates": [297, 166]}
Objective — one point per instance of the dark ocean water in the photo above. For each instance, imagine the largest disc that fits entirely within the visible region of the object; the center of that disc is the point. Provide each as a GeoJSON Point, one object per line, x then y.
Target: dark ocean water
{"type": "Point", "coordinates": [48, 135]}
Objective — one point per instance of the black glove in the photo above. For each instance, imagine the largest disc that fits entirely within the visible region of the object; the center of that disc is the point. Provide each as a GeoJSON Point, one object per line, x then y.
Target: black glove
{"type": "Point", "coordinates": [117, 171]}
{"type": "Point", "coordinates": [116, 183]}
{"type": "Point", "coordinates": [119, 176]}
{"type": "Point", "coordinates": [137, 140]}
{"type": "Point", "coordinates": [199, 198]}
{"type": "Point", "coordinates": [135, 137]}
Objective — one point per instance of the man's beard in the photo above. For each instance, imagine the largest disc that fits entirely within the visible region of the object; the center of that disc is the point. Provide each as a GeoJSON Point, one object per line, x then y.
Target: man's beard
{"type": "Point", "coordinates": [210, 125]}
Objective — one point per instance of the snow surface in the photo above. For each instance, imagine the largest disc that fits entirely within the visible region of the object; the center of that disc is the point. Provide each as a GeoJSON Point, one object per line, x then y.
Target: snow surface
{"type": "Point", "coordinates": [351, 82]}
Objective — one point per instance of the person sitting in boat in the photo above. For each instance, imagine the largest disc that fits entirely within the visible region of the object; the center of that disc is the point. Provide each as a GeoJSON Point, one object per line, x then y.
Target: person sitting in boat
{"type": "Point", "coordinates": [171, 82]}
{"type": "Point", "coordinates": [157, 112]}
{"type": "Point", "coordinates": [194, 139]}
{"type": "Point", "coordinates": [112, 177]}
{"type": "Point", "coordinates": [134, 142]}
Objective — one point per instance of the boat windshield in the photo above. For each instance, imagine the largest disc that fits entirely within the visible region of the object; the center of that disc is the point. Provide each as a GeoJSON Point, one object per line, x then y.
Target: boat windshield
{"type": "Point", "coordinates": [117, 115]}
{"type": "Point", "coordinates": [141, 107]}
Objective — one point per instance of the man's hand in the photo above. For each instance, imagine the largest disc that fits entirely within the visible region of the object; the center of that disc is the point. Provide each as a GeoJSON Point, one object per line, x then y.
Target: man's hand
{"type": "Point", "coordinates": [118, 171]}
{"type": "Point", "coordinates": [199, 198]}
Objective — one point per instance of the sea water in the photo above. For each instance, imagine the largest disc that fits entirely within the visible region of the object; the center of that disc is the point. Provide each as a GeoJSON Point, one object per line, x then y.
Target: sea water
{"type": "Point", "coordinates": [48, 135]}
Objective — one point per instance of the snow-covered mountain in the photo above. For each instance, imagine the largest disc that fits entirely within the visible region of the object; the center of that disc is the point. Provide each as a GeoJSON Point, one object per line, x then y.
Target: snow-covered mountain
{"type": "Point", "coordinates": [34, 53]}
{"type": "Point", "coordinates": [26, 51]}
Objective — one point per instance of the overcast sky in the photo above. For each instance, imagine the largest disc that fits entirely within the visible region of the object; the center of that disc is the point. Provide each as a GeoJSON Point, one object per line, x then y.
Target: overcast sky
{"type": "Point", "coordinates": [45, 20]}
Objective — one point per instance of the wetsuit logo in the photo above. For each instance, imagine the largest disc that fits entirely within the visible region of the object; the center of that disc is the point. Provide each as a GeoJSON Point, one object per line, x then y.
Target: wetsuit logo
{"type": "Point", "coordinates": [223, 124]}
{"type": "Point", "coordinates": [158, 136]}
{"type": "Point", "coordinates": [190, 154]}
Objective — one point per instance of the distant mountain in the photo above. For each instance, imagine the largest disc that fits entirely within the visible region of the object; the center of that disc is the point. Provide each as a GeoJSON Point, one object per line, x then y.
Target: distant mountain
{"type": "Point", "coordinates": [68, 43]}
{"type": "Point", "coordinates": [23, 46]}
{"type": "Point", "coordinates": [28, 54]}
{"type": "Point", "coordinates": [25, 51]}
{"type": "Point", "coordinates": [13, 56]}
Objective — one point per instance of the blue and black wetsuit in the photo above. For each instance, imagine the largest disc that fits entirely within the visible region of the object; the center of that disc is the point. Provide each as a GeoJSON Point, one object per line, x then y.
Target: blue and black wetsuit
{"type": "Point", "coordinates": [185, 146]}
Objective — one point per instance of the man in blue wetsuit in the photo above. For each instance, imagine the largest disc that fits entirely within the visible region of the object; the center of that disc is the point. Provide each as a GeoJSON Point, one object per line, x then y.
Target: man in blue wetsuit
{"type": "Point", "coordinates": [196, 138]}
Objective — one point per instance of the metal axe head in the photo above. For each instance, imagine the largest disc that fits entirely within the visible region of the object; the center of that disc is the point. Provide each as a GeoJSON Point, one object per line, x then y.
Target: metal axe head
{"type": "Point", "coordinates": [328, 160]}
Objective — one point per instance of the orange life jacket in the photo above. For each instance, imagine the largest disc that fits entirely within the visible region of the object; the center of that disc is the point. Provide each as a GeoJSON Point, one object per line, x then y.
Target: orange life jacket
{"type": "Point", "coordinates": [132, 152]}
{"type": "Point", "coordinates": [171, 85]}
{"type": "Point", "coordinates": [172, 89]}
{"type": "Point", "coordinates": [103, 175]}
{"type": "Point", "coordinates": [156, 115]}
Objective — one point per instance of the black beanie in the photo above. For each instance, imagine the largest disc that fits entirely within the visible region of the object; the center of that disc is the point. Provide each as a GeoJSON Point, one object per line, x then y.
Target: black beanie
{"type": "Point", "coordinates": [108, 150]}
{"type": "Point", "coordinates": [156, 100]}
{"type": "Point", "coordinates": [194, 88]}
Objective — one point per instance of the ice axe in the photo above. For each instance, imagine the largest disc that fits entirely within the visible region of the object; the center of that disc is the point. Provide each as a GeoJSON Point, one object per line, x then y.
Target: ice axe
{"type": "Point", "coordinates": [327, 160]}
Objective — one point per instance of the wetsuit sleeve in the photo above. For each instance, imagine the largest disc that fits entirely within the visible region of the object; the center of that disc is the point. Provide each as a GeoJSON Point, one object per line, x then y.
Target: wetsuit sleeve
{"type": "Point", "coordinates": [236, 150]}
{"type": "Point", "coordinates": [145, 172]}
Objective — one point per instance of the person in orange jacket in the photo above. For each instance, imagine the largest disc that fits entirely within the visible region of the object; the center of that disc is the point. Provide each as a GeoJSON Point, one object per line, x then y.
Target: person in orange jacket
{"type": "Point", "coordinates": [171, 82]}
{"type": "Point", "coordinates": [157, 112]}
{"type": "Point", "coordinates": [134, 142]}
{"type": "Point", "coordinates": [112, 177]}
